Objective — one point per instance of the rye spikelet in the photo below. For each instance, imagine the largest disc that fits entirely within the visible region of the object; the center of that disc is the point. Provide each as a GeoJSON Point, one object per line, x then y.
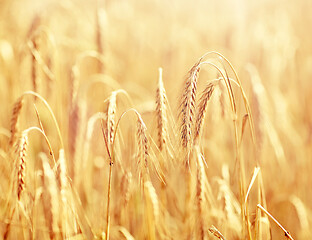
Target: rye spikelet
{"type": "Point", "coordinates": [111, 112]}
{"type": "Point", "coordinates": [14, 120]}
{"type": "Point", "coordinates": [22, 148]}
{"type": "Point", "coordinates": [161, 114]}
{"type": "Point", "coordinates": [202, 107]}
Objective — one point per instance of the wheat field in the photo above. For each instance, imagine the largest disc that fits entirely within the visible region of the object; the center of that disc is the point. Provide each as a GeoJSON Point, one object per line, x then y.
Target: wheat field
{"type": "Point", "coordinates": [155, 119]}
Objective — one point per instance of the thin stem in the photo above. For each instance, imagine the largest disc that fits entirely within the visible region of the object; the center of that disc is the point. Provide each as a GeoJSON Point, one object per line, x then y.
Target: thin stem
{"type": "Point", "coordinates": [109, 183]}
{"type": "Point", "coordinates": [51, 112]}
{"type": "Point", "coordinates": [45, 137]}
{"type": "Point", "coordinates": [41, 127]}
{"type": "Point", "coordinates": [287, 234]}
{"type": "Point", "coordinates": [108, 199]}
{"type": "Point", "coordinates": [247, 106]}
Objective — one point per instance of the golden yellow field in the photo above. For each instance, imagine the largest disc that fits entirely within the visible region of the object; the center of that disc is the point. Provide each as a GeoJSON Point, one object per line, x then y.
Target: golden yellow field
{"type": "Point", "coordinates": [155, 119]}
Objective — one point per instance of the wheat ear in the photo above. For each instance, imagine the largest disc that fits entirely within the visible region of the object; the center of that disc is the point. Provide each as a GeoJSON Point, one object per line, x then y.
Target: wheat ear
{"type": "Point", "coordinates": [34, 76]}
{"type": "Point", "coordinates": [152, 209]}
{"type": "Point", "coordinates": [216, 232]}
{"type": "Point", "coordinates": [202, 108]}
{"type": "Point", "coordinates": [188, 105]}
{"type": "Point", "coordinates": [50, 201]}
{"type": "Point", "coordinates": [143, 148]}
{"type": "Point", "coordinates": [142, 144]}
{"type": "Point", "coordinates": [125, 185]}
{"type": "Point", "coordinates": [22, 148]}
{"type": "Point", "coordinates": [14, 119]}
{"type": "Point", "coordinates": [161, 114]}
{"type": "Point", "coordinates": [111, 112]}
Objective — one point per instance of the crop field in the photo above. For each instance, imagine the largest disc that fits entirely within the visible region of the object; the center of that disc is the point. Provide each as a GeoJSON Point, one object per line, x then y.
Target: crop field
{"type": "Point", "coordinates": [132, 119]}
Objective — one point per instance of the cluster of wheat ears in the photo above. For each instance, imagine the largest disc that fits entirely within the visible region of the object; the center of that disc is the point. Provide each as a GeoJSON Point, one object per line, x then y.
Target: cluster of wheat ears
{"type": "Point", "coordinates": [76, 168]}
{"type": "Point", "coordinates": [63, 212]}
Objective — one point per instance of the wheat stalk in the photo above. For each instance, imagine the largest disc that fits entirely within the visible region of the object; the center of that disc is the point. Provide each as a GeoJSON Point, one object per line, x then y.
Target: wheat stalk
{"type": "Point", "coordinates": [200, 194]}
{"type": "Point", "coordinates": [287, 234]}
{"type": "Point", "coordinates": [111, 156]}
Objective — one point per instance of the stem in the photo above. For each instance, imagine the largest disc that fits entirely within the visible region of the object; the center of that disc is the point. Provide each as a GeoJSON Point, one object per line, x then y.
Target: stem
{"type": "Point", "coordinates": [51, 112]}
{"type": "Point", "coordinates": [45, 137]}
{"type": "Point", "coordinates": [246, 103]}
{"type": "Point", "coordinates": [108, 199]}
{"type": "Point", "coordinates": [41, 127]}
{"type": "Point", "coordinates": [287, 234]}
{"type": "Point", "coordinates": [109, 183]}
